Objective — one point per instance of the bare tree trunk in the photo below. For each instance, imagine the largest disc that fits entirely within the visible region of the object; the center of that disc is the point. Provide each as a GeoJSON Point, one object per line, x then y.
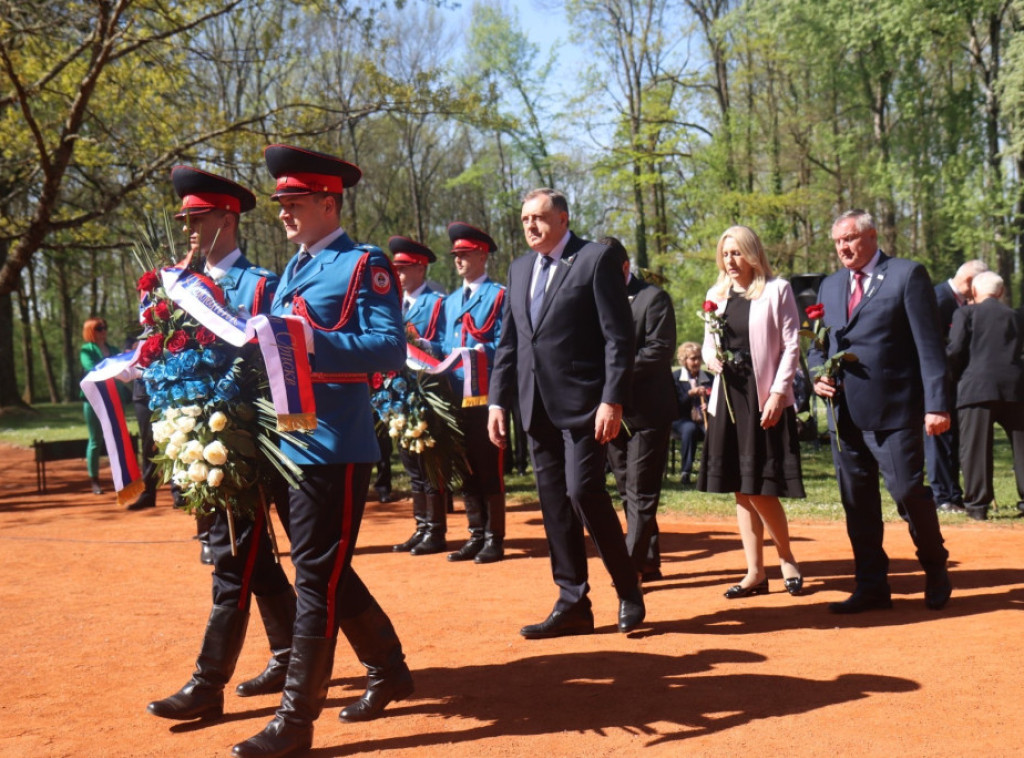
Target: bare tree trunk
{"type": "Point", "coordinates": [26, 343]}
{"type": "Point", "coordinates": [44, 350]}
{"type": "Point", "coordinates": [69, 328]}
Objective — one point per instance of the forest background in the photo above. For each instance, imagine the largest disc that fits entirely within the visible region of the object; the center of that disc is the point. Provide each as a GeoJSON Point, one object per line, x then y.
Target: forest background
{"type": "Point", "coordinates": [677, 119]}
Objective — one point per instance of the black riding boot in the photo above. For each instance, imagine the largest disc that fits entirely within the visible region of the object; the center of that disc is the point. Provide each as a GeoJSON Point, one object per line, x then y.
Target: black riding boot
{"type": "Point", "coordinates": [378, 648]}
{"type": "Point", "coordinates": [475, 517]}
{"type": "Point", "coordinates": [278, 613]}
{"type": "Point", "coordinates": [305, 691]}
{"type": "Point", "coordinates": [494, 544]}
{"type": "Point", "coordinates": [419, 512]}
{"type": "Point", "coordinates": [437, 526]}
{"type": "Point", "coordinates": [203, 696]}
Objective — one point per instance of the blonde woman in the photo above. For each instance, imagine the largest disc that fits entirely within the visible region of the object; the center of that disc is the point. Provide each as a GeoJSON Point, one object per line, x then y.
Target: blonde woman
{"type": "Point", "coordinates": [94, 349]}
{"type": "Point", "coordinates": [751, 447]}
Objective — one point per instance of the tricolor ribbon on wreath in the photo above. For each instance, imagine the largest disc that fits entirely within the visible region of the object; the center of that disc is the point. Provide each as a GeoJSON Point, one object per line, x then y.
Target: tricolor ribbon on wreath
{"type": "Point", "coordinates": [284, 342]}
{"type": "Point", "coordinates": [472, 361]}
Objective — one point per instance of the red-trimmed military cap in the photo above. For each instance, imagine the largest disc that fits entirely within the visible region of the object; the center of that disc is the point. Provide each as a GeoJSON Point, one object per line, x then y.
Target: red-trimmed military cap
{"type": "Point", "coordinates": [466, 237]}
{"type": "Point", "coordinates": [302, 172]}
{"type": "Point", "coordinates": [201, 192]}
{"type": "Point", "coordinates": [409, 252]}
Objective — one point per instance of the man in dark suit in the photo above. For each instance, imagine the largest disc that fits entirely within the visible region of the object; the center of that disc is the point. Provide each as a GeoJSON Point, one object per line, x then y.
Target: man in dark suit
{"type": "Point", "coordinates": [941, 454]}
{"type": "Point", "coordinates": [638, 453]}
{"type": "Point", "coordinates": [985, 354]}
{"type": "Point", "coordinates": [882, 310]}
{"type": "Point", "coordinates": [566, 346]}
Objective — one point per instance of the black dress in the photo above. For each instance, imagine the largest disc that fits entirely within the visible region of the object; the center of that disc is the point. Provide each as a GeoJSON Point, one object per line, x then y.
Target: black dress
{"type": "Point", "coordinates": [743, 457]}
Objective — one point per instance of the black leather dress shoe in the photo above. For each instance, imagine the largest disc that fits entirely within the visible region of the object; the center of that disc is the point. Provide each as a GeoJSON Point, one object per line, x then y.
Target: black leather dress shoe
{"type": "Point", "coordinates": [631, 612]}
{"type": "Point", "coordinates": [561, 624]}
{"type": "Point", "coordinates": [861, 601]}
{"type": "Point", "coordinates": [738, 590]}
{"type": "Point", "coordinates": [937, 589]}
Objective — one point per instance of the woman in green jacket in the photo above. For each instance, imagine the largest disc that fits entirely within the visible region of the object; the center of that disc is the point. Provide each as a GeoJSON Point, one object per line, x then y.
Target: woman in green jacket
{"type": "Point", "coordinates": [94, 350]}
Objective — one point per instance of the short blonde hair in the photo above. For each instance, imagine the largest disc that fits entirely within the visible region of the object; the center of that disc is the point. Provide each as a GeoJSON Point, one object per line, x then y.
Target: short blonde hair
{"type": "Point", "coordinates": [753, 253]}
{"type": "Point", "coordinates": [688, 349]}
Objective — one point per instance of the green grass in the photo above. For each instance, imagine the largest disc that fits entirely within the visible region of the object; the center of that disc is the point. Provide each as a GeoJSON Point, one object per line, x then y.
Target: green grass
{"type": "Point", "coordinates": [64, 421]}
{"type": "Point", "coordinates": [49, 422]}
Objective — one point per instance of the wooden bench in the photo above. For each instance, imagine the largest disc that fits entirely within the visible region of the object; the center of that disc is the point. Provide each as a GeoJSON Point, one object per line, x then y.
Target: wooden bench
{"type": "Point", "coordinates": [61, 450]}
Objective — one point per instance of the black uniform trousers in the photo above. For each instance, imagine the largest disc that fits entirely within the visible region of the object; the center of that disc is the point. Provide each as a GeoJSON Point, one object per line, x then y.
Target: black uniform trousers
{"type": "Point", "coordinates": [569, 465]}
{"type": "Point", "coordinates": [899, 455]}
{"type": "Point", "coordinates": [486, 476]}
{"type": "Point", "coordinates": [252, 570]}
{"type": "Point", "coordinates": [415, 468]}
{"type": "Point", "coordinates": [638, 463]}
{"type": "Point", "coordinates": [976, 438]}
{"type": "Point", "coordinates": [325, 513]}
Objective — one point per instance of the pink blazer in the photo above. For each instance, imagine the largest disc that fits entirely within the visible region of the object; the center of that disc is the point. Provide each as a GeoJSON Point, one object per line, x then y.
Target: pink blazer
{"type": "Point", "coordinates": [774, 342]}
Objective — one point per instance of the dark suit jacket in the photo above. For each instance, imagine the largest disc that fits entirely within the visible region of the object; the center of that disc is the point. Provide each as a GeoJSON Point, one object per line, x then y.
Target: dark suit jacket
{"type": "Point", "coordinates": [900, 370]}
{"type": "Point", "coordinates": [580, 352]}
{"type": "Point", "coordinates": [684, 400]}
{"type": "Point", "coordinates": [654, 340]}
{"type": "Point", "coordinates": [947, 304]}
{"type": "Point", "coordinates": [985, 353]}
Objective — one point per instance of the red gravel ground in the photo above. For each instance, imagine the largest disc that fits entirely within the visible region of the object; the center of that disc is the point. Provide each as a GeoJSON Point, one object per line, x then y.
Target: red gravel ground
{"type": "Point", "coordinates": [101, 611]}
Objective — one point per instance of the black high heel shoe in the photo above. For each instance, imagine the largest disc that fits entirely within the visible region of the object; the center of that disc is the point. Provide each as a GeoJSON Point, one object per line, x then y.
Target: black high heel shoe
{"type": "Point", "coordinates": [795, 586]}
{"type": "Point", "coordinates": [761, 588]}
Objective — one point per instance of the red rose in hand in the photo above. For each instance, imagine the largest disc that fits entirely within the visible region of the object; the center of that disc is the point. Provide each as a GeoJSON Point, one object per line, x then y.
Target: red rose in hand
{"type": "Point", "coordinates": [204, 336]}
{"type": "Point", "coordinates": [147, 316]}
{"type": "Point", "coordinates": [151, 350]}
{"type": "Point", "coordinates": [815, 311]}
{"type": "Point", "coordinates": [376, 381]}
{"type": "Point", "coordinates": [710, 306]}
{"type": "Point", "coordinates": [162, 310]}
{"type": "Point", "coordinates": [177, 342]}
{"type": "Point", "coordinates": [148, 282]}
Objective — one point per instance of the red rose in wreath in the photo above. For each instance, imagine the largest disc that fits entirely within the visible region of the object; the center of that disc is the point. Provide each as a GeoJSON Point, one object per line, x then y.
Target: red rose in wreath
{"type": "Point", "coordinates": [147, 317]}
{"type": "Point", "coordinates": [151, 349]}
{"type": "Point", "coordinates": [162, 311]}
{"type": "Point", "coordinates": [148, 282]}
{"type": "Point", "coordinates": [376, 381]}
{"type": "Point", "coordinates": [204, 336]}
{"type": "Point", "coordinates": [177, 342]}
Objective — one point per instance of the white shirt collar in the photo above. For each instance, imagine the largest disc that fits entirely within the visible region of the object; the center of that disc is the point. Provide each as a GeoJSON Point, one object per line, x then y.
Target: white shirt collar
{"type": "Point", "coordinates": [219, 269]}
{"type": "Point", "coordinates": [320, 244]}
{"type": "Point", "coordinates": [475, 284]}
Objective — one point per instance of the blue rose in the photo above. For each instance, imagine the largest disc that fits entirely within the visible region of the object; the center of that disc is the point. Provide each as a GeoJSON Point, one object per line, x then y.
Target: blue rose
{"type": "Point", "coordinates": [397, 408]}
{"type": "Point", "coordinates": [172, 369]}
{"type": "Point", "coordinates": [399, 385]}
{"type": "Point", "coordinates": [189, 361]}
{"type": "Point", "coordinates": [212, 357]}
{"type": "Point", "coordinates": [177, 393]}
{"type": "Point", "coordinates": [226, 389]}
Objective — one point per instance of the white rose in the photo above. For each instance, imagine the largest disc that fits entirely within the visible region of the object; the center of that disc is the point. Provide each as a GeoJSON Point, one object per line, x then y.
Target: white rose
{"type": "Point", "coordinates": [180, 478]}
{"type": "Point", "coordinates": [415, 432]}
{"type": "Point", "coordinates": [161, 431]}
{"type": "Point", "coordinates": [216, 453]}
{"type": "Point", "coordinates": [192, 452]}
{"type": "Point", "coordinates": [198, 471]}
{"type": "Point", "coordinates": [218, 421]}
{"type": "Point", "coordinates": [178, 437]}
{"type": "Point", "coordinates": [215, 477]}
{"type": "Point", "coordinates": [399, 423]}
{"type": "Point", "coordinates": [171, 413]}
{"type": "Point", "coordinates": [393, 433]}
{"type": "Point", "coordinates": [185, 424]}
{"type": "Point", "coordinates": [429, 442]}
{"type": "Point", "coordinates": [172, 450]}
{"type": "Point", "coordinates": [192, 410]}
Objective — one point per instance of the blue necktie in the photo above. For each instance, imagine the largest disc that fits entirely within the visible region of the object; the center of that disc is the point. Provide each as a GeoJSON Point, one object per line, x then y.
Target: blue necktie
{"type": "Point", "coordinates": [539, 288]}
{"type": "Point", "coordinates": [466, 294]}
{"type": "Point", "coordinates": [304, 258]}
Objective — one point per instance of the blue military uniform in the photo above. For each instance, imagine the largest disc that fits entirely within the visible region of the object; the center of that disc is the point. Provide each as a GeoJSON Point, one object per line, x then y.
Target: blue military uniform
{"type": "Point", "coordinates": [472, 318]}
{"type": "Point", "coordinates": [252, 568]}
{"type": "Point", "coordinates": [348, 295]}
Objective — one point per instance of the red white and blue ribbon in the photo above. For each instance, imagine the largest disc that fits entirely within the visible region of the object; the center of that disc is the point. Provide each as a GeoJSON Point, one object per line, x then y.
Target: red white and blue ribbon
{"type": "Point", "coordinates": [100, 388]}
{"type": "Point", "coordinates": [281, 339]}
{"type": "Point", "coordinates": [472, 361]}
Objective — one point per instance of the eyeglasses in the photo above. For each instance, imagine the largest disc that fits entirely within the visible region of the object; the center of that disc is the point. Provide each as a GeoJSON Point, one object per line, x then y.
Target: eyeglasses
{"type": "Point", "coordinates": [849, 239]}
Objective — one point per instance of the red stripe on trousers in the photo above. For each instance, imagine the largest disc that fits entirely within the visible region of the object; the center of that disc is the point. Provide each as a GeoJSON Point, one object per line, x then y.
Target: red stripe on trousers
{"type": "Point", "coordinates": [339, 559]}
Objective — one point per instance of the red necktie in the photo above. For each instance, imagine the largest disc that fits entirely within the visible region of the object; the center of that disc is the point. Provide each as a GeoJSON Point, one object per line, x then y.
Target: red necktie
{"type": "Point", "coordinates": [858, 292]}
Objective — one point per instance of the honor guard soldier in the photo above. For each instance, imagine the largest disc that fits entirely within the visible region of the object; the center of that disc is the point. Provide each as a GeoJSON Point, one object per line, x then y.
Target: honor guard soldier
{"type": "Point", "coordinates": [348, 295]}
{"type": "Point", "coordinates": [211, 206]}
{"type": "Point", "coordinates": [421, 310]}
{"type": "Point", "coordinates": [473, 319]}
